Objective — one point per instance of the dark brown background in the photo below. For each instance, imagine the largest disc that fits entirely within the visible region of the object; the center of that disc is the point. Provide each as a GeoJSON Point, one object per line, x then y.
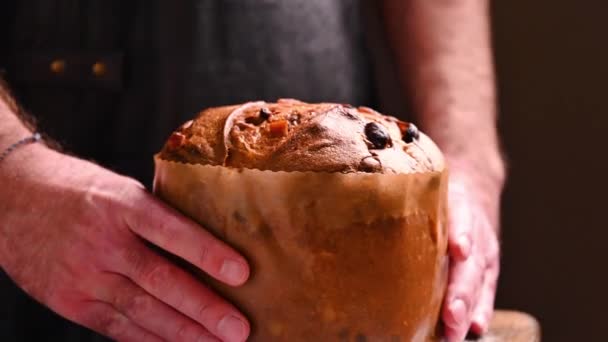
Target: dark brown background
{"type": "Point", "coordinates": [552, 62]}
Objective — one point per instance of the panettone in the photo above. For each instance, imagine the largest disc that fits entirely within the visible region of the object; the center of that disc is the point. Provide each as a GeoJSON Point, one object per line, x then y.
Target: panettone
{"type": "Point", "coordinates": [341, 212]}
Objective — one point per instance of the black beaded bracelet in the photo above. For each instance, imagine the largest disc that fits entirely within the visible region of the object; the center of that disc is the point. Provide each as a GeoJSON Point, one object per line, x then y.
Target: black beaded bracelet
{"type": "Point", "coordinates": [29, 140]}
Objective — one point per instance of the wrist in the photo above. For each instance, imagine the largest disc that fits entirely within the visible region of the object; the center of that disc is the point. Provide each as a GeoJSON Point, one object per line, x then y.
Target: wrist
{"type": "Point", "coordinates": [22, 165]}
{"type": "Point", "coordinates": [486, 169]}
{"type": "Point", "coordinates": [12, 132]}
{"type": "Point", "coordinates": [21, 193]}
{"type": "Point", "coordinates": [12, 128]}
{"type": "Point", "coordinates": [469, 143]}
{"type": "Point", "coordinates": [479, 179]}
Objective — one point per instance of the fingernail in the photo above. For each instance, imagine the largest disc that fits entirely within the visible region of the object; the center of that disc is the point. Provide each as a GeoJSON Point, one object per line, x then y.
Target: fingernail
{"type": "Point", "coordinates": [233, 272]}
{"type": "Point", "coordinates": [464, 244]}
{"type": "Point", "coordinates": [458, 311]}
{"type": "Point", "coordinates": [232, 329]}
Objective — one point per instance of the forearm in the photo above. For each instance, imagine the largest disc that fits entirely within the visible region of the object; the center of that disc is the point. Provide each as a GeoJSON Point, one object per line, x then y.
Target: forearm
{"type": "Point", "coordinates": [21, 163]}
{"type": "Point", "coordinates": [444, 58]}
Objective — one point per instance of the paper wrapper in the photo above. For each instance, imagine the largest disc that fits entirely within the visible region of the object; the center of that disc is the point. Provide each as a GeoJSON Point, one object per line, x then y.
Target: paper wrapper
{"type": "Point", "coordinates": [334, 257]}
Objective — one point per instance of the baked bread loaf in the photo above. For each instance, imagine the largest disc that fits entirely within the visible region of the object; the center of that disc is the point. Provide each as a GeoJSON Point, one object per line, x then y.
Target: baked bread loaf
{"type": "Point", "coordinates": [295, 136]}
{"type": "Point", "coordinates": [340, 211]}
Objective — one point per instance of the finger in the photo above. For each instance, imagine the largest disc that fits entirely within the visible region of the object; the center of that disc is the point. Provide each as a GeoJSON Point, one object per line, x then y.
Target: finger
{"type": "Point", "coordinates": [482, 315]}
{"type": "Point", "coordinates": [103, 318]}
{"type": "Point", "coordinates": [460, 224]}
{"type": "Point", "coordinates": [150, 313]}
{"type": "Point", "coordinates": [181, 291]}
{"type": "Point", "coordinates": [461, 297]}
{"type": "Point", "coordinates": [166, 228]}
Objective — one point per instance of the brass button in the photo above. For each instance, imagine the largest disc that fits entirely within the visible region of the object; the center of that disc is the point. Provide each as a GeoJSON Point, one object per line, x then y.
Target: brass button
{"type": "Point", "coordinates": [58, 66]}
{"type": "Point", "coordinates": [99, 69]}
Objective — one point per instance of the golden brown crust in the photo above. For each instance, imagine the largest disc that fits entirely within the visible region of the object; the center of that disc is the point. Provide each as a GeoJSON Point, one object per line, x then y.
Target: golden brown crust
{"type": "Point", "coordinates": [291, 135]}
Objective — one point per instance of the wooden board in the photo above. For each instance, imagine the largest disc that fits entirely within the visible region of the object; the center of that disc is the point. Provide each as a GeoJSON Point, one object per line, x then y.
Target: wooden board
{"type": "Point", "coordinates": [512, 326]}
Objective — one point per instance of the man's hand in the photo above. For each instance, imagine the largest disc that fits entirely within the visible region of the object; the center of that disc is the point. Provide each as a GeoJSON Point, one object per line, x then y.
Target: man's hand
{"type": "Point", "coordinates": [72, 235]}
{"type": "Point", "coordinates": [444, 60]}
{"type": "Point", "coordinates": [474, 256]}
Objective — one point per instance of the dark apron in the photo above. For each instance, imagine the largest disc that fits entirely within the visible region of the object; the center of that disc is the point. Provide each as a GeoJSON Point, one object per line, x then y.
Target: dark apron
{"type": "Point", "coordinates": [110, 79]}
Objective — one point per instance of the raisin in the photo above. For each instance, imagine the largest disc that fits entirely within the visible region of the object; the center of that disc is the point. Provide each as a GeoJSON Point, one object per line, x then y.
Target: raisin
{"type": "Point", "coordinates": [377, 135]}
{"type": "Point", "coordinates": [411, 133]}
{"type": "Point", "coordinates": [265, 113]}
